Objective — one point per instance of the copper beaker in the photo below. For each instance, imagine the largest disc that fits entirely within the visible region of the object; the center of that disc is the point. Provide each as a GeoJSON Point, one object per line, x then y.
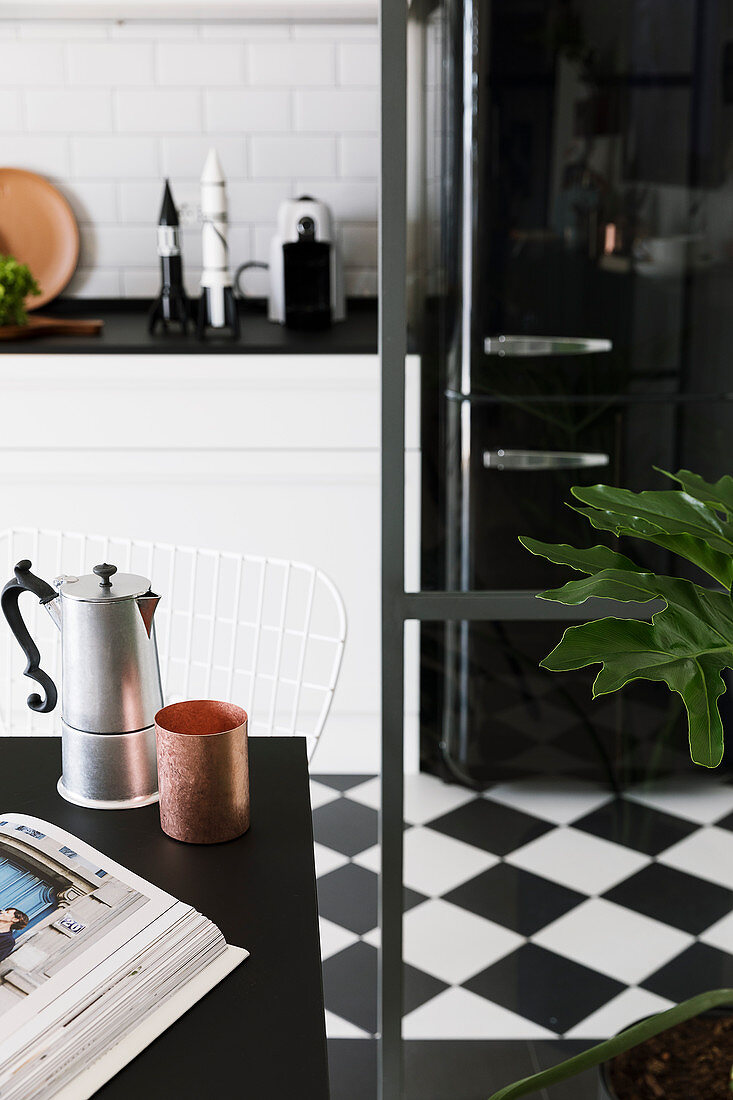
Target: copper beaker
{"type": "Point", "coordinates": [203, 771]}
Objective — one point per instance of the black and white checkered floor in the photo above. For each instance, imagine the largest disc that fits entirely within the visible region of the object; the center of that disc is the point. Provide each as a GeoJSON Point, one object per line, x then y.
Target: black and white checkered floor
{"type": "Point", "coordinates": [541, 908]}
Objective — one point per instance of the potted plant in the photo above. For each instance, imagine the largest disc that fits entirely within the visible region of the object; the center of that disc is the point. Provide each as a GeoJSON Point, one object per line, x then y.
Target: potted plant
{"type": "Point", "coordinates": [703, 1078]}
{"type": "Point", "coordinates": [687, 643]}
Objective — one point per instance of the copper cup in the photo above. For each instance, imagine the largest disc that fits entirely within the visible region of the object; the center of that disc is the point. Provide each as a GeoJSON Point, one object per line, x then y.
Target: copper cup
{"type": "Point", "coordinates": [203, 771]}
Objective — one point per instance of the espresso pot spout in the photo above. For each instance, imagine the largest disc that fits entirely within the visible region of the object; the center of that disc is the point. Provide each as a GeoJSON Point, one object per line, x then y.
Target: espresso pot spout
{"type": "Point", "coordinates": [147, 605]}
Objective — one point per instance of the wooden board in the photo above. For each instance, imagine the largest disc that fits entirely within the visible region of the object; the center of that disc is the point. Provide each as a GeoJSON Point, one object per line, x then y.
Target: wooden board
{"type": "Point", "coordinates": [50, 326]}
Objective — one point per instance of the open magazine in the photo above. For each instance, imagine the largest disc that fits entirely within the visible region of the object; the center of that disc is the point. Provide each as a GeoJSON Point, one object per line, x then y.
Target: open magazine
{"type": "Point", "coordinates": [94, 962]}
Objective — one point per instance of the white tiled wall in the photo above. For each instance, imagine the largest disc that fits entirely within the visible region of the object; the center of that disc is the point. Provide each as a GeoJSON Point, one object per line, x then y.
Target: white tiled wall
{"type": "Point", "coordinates": [107, 110]}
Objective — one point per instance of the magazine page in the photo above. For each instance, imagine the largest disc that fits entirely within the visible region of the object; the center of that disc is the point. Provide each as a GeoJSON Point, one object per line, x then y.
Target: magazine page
{"type": "Point", "coordinates": [94, 1076]}
{"type": "Point", "coordinates": [101, 1009]}
{"type": "Point", "coordinates": [64, 909]}
{"type": "Point", "coordinates": [39, 1033]}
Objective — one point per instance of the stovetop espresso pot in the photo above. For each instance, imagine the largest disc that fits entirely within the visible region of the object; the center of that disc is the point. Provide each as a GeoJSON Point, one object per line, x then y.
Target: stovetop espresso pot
{"type": "Point", "coordinates": [110, 680]}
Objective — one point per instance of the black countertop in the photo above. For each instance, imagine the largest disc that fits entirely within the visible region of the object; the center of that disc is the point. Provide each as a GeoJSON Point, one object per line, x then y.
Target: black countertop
{"type": "Point", "coordinates": [125, 332]}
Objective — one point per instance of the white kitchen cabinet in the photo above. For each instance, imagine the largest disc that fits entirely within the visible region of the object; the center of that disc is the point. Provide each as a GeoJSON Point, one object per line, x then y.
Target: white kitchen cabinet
{"type": "Point", "coordinates": [262, 454]}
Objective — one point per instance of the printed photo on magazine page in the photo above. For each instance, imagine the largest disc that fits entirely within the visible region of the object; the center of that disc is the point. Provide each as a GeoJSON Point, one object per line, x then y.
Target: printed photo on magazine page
{"type": "Point", "coordinates": [54, 904]}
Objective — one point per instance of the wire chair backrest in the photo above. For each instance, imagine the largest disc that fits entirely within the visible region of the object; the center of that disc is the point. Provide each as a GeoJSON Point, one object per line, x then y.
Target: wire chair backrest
{"type": "Point", "coordinates": [262, 632]}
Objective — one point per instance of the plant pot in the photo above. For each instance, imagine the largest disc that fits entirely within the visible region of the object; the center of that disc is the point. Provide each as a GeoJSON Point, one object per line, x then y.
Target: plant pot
{"type": "Point", "coordinates": [606, 1090]}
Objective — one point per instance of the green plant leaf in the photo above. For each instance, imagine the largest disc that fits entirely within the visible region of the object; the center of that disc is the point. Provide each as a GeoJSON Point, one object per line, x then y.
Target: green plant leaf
{"type": "Point", "coordinates": [686, 645]}
{"type": "Point", "coordinates": [625, 585]}
{"type": "Point", "coordinates": [583, 561]}
{"type": "Point", "coordinates": [670, 511]}
{"type": "Point", "coordinates": [677, 647]}
{"type": "Point", "coordinates": [717, 494]}
{"type": "Point", "coordinates": [715, 563]}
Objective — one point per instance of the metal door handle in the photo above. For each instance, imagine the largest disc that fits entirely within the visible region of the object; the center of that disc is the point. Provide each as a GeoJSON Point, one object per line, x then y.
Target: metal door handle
{"type": "Point", "coordinates": [503, 459]}
{"type": "Point", "coordinates": [519, 346]}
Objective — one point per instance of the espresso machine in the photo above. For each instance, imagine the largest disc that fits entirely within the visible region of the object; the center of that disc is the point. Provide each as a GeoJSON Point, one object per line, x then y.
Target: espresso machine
{"type": "Point", "coordinates": [110, 680]}
{"type": "Point", "coordinates": [306, 280]}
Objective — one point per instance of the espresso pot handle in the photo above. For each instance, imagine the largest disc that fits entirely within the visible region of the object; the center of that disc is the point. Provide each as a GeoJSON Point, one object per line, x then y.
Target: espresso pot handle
{"type": "Point", "coordinates": [25, 581]}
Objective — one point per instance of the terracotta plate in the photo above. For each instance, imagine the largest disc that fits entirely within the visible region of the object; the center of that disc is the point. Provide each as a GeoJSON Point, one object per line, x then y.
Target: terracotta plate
{"type": "Point", "coordinates": [38, 227]}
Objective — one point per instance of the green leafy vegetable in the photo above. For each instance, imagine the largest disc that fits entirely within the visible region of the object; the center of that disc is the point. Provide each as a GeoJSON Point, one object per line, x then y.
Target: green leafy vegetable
{"type": "Point", "coordinates": [16, 282]}
{"type": "Point", "coordinates": [688, 643]}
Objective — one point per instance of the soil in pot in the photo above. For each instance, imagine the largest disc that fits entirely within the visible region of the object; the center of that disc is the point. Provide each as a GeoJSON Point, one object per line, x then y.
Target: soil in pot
{"type": "Point", "coordinates": [691, 1061]}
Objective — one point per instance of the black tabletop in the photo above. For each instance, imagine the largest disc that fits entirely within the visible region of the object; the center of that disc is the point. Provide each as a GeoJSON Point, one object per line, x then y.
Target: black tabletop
{"type": "Point", "coordinates": [260, 1033]}
{"type": "Point", "coordinates": [125, 332]}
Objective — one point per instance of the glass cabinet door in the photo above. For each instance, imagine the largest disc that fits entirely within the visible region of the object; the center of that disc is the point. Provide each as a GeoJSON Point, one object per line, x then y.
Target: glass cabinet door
{"type": "Point", "coordinates": [571, 286]}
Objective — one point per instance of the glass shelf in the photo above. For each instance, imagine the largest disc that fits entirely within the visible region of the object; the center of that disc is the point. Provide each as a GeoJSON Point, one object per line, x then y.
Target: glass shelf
{"type": "Point", "coordinates": [504, 458]}
{"type": "Point", "coordinates": [588, 399]}
{"type": "Point", "coordinates": [521, 347]}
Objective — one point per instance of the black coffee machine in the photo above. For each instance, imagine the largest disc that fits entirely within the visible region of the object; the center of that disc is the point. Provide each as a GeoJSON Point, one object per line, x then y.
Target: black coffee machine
{"type": "Point", "coordinates": [306, 278]}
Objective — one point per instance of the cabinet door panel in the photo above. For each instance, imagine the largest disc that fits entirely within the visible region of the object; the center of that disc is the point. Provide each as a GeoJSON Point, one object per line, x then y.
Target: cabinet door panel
{"type": "Point", "coordinates": [157, 402]}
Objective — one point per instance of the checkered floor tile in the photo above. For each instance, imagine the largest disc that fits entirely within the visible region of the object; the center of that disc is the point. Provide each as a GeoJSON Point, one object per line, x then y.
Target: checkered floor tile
{"type": "Point", "coordinates": [539, 908]}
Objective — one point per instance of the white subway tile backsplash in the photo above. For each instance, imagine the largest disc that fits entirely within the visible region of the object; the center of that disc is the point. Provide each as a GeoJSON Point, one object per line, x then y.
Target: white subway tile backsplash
{"type": "Point", "coordinates": [92, 201]}
{"type": "Point", "coordinates": [158, 110]}
{"type": "Point", "coordinates": [107, 64]}
{"type": "Point", "coordinates": [292, 63]}
{"type": "Point", "coordinates": [249, 31]}
{"type": "Point", "coordinates": [337, 109]}
{"type": "Point", "coordinates": [361, 282]}
{"type": "Point", "coordinates": [281, 157]}
{"type": "Point", "coordinates": [359, 245]}
{"type": "Point", "coordinates": [192, 282]}
{"type": "Point", "coordinates": [247, 110]}
{"type": "Point", "coordinates": [358, 63]}
{"type": "Point", "coordinates": [191, 248]}
{"type": "Point", "coordinates": [140, 200]}
{"type": "Point", "coordinates": [59, 28]}
{"type": "Point", "coordinates": [116, 157]}
{"type": "Point", "coordinates": [349, 200]}
{"type": "Point", "coordinates": [359, 155]}
{"type": "Point", "coordinates": [39, 153]}
{"type": "Point", "coordinates": [144, 30]}
{"type": "Point", "coordinates": [68, 109]}
{"type": "Point", "coordinates": [118, 245]}
{"type": "Point", "coordinates": [107, 110]}
{"type": "Point", "coordinates": [336, 30]}
{"type": "Point", "coordinates": [94, 283]}
{"type": "Point", "coordinates": [200, 63]}
{"type": "Point", "coordinates": [240, 246]}
{"type": "Point", "coordinates": [10, 109]}
{"type": "Point", "coordinates": [142, 282]}
{"type": "Point", "coordinates": [262, 237]}
{"type": "Point", "coordinates": [32, 64]}
{"type": "Point", "coordinates": [185, 156]}
{"type": "Point", "coordinates": [254, 202]}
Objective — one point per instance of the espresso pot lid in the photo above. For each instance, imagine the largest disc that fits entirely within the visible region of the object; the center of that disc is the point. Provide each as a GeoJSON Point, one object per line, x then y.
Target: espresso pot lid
{"type": "Point", "coordinates": [103, 584]}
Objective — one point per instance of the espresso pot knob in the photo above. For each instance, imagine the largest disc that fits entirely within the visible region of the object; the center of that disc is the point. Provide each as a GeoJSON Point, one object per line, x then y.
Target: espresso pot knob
{"type": "Point", "coordinates": [105, 572]}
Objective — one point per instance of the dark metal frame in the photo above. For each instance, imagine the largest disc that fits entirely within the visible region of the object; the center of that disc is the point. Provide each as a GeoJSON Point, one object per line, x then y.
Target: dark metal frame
{"type": "Point", "coordinates": [399, 606]}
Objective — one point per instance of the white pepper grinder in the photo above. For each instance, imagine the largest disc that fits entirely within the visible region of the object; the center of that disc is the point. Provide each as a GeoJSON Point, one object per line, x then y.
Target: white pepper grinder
{"type": "Point", "coordinates": [217, 307]}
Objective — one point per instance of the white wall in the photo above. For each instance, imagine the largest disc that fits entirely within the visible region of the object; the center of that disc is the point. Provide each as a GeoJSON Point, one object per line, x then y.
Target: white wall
{"type": "Point", "coordinates": [107, 110]}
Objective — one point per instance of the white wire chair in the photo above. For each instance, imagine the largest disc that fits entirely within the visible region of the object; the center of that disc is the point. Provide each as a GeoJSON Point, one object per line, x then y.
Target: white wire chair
{"type": "Point", "coordinates": [265, 633]}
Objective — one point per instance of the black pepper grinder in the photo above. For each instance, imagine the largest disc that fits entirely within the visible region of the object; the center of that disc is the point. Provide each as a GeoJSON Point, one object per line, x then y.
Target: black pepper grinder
{"type": "Point", "coordinates": [172, 303]}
